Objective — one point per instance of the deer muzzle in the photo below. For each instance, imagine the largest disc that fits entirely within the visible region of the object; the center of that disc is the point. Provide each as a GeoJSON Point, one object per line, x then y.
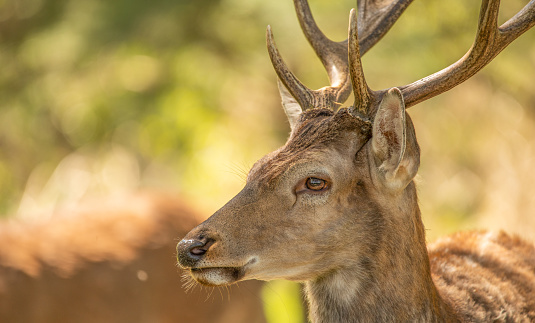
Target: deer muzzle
{"type": "Point", "coordinates": [198, 254]}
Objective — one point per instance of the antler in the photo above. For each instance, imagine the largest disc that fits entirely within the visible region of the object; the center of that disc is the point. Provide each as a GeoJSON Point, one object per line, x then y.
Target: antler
{"type": "Point", "coordinates": [490, 41]}
{"type": "Point", "coordinates": [364, 96]}
{"type": "Point", "coordinates": [377, 18]}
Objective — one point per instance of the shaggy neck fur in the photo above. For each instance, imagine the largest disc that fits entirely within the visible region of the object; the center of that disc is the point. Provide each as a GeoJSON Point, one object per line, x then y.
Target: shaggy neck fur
{"type": "Point", "coordinates": [392, 284]}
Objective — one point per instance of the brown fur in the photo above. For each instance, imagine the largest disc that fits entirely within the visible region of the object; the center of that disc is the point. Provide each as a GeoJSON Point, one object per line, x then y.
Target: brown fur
{"type": "Point", "coordinates": [314, 134]}
{"type": "Point", "coordinates": [112, 263]}
{"type": "Point", "coordinates": [360, 246]}
{"type": "Point", "coordinates": [486, 277]}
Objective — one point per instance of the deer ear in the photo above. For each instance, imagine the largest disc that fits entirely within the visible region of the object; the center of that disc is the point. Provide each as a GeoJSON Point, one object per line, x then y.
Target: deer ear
{"type": "Point", "coordinates": [292, 109]}
{"type": "Point", "coordinates": [394, 145]}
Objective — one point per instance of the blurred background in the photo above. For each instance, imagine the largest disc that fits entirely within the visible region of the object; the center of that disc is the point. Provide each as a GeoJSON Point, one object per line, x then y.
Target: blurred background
{"type": "Point", "coordinates": [102, 98]}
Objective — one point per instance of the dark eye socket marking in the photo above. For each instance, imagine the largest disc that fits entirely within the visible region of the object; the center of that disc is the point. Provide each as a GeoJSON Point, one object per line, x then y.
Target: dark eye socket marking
{"type": "Point", "coordinates": [312, 185]}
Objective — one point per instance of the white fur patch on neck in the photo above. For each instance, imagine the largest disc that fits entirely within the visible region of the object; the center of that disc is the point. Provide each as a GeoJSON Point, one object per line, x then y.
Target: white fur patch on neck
{"type": "Point", "coordinates": [343, 288]}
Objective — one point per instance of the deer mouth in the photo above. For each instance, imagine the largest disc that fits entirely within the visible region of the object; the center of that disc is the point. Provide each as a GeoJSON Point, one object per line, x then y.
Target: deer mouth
{"type": "Point", "coordinates": [217, 276]}
{"type": "Point", "coordinates": [220, 276]}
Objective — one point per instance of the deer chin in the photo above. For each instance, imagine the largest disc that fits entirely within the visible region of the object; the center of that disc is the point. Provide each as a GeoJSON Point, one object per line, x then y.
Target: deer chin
{"type": "Point", "coordinates": [221, 276]}
{"type": "Point", "coordinates": [217, 276]}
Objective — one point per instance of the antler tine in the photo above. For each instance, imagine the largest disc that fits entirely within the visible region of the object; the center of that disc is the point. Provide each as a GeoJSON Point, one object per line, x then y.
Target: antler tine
{"type": "Point", "coordinates": [375, 18]}
{"type": "Point", "coordinates": [363, 94]}
{"type": "Point", "coordinates": [490, 41]}
{"type": "Point", "coordinates": [303, 95]}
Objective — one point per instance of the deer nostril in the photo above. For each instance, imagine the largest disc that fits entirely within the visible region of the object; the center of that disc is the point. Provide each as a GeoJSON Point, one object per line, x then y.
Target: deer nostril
{"type": "Point", "coordinates": [197, 251]}
{"type": "Point", "coordinates": [190, 251]}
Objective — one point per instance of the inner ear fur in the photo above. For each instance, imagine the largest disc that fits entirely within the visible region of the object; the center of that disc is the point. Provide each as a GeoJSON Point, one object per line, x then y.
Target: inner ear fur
{"type": "Point", "coordinates": [394, 146]}
{"type": "Point", "coordinates": [292, 109]}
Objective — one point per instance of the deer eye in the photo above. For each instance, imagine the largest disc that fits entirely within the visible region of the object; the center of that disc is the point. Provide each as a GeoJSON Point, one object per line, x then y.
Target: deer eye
{"type": "Point", "coordinates": [312, 185]}
{"type": "Point", "coordinates": [315, 184]}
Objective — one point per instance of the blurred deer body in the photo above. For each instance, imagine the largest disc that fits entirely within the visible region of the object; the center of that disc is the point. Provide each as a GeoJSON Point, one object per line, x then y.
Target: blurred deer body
{"type": "Point", "coordinates": [336, 207]}
{"type": "Point", "coordinates": [111, 263]}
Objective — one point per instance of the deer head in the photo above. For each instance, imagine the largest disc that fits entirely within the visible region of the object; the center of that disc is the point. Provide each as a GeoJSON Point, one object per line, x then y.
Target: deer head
{"type": "Point", "coordinates": [336, 206]}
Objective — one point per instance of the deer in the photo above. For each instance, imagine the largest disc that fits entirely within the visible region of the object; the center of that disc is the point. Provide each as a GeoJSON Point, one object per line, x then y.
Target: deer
{"type": "Point", "coordinates": [110, 263]}
{"type": "Point", "coordinates": [336, 206]}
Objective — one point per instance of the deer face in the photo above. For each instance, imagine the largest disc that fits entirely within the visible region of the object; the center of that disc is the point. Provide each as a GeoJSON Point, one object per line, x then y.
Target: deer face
{"type": "Point", "coordinates": [302, 204]}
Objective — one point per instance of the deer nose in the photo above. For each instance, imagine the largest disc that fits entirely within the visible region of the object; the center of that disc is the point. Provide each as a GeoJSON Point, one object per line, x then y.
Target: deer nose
{"type": "Point", "coordinates": [190, 251]}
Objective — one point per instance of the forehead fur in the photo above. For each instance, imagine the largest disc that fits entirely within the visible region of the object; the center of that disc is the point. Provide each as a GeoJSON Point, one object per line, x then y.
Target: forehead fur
{"type": "Point", "coordinates": [317, 129]}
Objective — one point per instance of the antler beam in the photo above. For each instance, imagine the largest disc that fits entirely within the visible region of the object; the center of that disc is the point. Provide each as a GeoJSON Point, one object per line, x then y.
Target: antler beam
{"type": "Point", "coordinates": [490, 41]}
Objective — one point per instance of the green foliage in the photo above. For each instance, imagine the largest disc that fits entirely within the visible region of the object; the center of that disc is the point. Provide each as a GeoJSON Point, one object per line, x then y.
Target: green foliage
{"type": "Point", "coordinates": [80, 77]}
{"type": "Point", "coordinates": [282, 302]}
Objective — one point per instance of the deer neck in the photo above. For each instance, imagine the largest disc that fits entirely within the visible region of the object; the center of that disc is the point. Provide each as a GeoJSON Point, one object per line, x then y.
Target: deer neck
{"type": "Point", "coordinates": [391, 284]}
